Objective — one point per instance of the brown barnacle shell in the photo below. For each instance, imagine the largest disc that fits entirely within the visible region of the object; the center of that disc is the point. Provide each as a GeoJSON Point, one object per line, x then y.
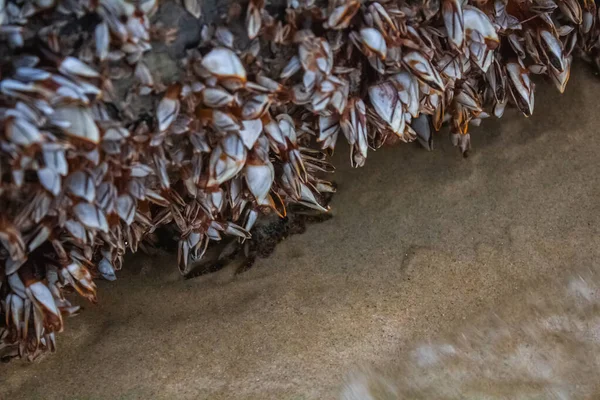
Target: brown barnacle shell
{"type": "Point", "coordinates": [521, 87]}
{"type": "Point", "coordinates": [342, 13]}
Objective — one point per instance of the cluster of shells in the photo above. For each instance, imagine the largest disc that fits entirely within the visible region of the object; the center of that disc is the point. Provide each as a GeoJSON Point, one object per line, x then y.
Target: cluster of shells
{"type": "Point", "coordinates": [246, 131]}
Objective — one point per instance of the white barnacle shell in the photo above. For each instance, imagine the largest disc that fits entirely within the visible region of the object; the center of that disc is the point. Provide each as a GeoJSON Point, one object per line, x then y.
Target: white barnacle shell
{"type": "Point", "coordinates": [384, 98]}
{"type": "Point", "coordinates": [224, 63]}
{"type": "Point", "coordinates": [374, 40]}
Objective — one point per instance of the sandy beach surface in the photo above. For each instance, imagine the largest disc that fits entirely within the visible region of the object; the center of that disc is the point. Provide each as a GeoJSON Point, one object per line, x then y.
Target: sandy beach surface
{"type": "Point", "coordinates": [419, 244]}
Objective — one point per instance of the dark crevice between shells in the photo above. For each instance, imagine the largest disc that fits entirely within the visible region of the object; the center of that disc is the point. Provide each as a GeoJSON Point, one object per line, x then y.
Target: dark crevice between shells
{"type": "Point", "coordinates": [268, 232]}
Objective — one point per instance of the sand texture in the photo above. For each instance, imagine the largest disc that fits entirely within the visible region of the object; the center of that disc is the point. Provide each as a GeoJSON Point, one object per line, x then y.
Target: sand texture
{"type": "Point", "coordinates": [419, 244]}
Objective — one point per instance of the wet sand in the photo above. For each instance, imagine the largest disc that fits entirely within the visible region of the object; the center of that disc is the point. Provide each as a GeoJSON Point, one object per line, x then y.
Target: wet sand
{"type": "Point", "coordinates": [420, 243]}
